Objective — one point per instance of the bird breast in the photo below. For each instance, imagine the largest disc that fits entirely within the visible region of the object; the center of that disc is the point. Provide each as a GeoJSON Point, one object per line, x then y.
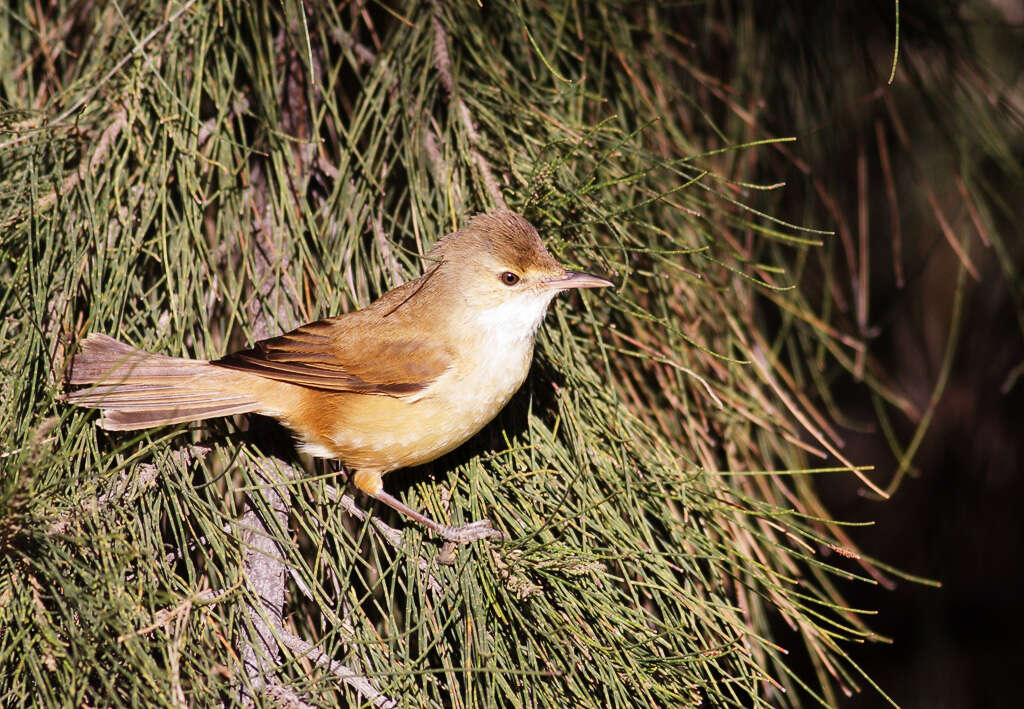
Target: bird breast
{"type": "Point", "coordinates": [492, 352]}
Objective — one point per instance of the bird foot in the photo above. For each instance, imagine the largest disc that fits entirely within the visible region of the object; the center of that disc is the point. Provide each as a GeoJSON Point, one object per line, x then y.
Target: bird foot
{"type": "Point", "coordinates": [472, 532]}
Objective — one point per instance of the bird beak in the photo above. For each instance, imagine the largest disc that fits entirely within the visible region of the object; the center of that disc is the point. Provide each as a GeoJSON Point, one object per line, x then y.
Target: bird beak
{"type": "Point", "coordinates": [575, 279]}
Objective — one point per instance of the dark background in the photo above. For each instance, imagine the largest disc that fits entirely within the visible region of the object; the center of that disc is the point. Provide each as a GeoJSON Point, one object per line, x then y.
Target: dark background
{"type": "Point", "coordinates": [956, 518]}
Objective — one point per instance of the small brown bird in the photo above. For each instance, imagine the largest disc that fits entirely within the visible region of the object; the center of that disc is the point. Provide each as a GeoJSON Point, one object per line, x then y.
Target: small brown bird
{"type": "Point", "coordinates": [399, 383]}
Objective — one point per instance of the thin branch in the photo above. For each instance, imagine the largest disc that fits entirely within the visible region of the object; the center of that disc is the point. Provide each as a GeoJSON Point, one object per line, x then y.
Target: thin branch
{"type": "Point", "coordinates": [91, 93]}
{"type": "Point", "coordinates": [285, 696]}
{"type": "Point", "coordinates": [265, 572]}
{"type": "Point", "coordinates": [164, 616]}
{"type": "Point", "coordinates": [96, 159]}
{"type": "Point", "coordinates": [442, 62]}
{"type": "Point", "coordinates": [128, 486]}
{"type": "Point", "coordinates": [389, 534]}
{"type": "Point", "coordinates": [359, 683]}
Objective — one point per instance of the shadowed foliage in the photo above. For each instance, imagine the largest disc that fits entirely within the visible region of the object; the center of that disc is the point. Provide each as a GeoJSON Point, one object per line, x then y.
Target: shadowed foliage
{"type": "Point", "coordinates": [193, 177]}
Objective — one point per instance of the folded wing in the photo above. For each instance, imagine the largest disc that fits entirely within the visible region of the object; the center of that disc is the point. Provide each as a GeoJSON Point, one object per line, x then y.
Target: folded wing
{"type": "Point", "coordinates": [353, 353]}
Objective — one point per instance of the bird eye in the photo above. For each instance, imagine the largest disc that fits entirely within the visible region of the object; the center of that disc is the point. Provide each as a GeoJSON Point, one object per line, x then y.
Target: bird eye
{"type": "Point", "coordinates": [509, 278]}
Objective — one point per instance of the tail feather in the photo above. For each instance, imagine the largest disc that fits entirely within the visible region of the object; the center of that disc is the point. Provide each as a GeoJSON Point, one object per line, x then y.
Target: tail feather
{"type": "Point", "coordinates": [137, 389]}
{"type": "Point", "coordinates": [136, 396]}
{"type": "Point", "coordinates": [130, 420]}
{"type": "Point", "coordinates": [104, 359]}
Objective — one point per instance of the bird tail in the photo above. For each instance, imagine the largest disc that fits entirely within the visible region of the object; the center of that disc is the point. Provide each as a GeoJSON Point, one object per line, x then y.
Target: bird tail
{"type": "Point", "coordinates": [137, 389]}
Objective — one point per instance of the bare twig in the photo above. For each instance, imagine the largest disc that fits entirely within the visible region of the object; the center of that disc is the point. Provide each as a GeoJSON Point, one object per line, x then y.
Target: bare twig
{"type": "Point", "coordinates": [442, 170]}
{"type": "Point", "coordinates": [386, 254]}
{"type": "Point", "coordinates": [163, 617]}
{"type": "Point", "coordinates": [285, 696]}
{"type": "Point", "coordinates": [127, 486]}
{"type": "Point", "coordinates": [265, 572]}
{"type": "Point", "coordinates": [208, 127]}
{"type": "Point", "coordinates": [389, 534]}
{"type": "Point", "coordinates": [364, 54]}
{"type": "Point", "coordinates": [358, 682]}
{"type": "Point", "coordinates": [442, 62]}
{"type": "Point", "coordinates": [91, 93]}
{"type": "Point", "coordinates": [99, 154]}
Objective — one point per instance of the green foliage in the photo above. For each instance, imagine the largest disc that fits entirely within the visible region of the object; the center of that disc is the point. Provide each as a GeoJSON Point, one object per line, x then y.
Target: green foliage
{"type": "Point", "coordinates": [192, 177]}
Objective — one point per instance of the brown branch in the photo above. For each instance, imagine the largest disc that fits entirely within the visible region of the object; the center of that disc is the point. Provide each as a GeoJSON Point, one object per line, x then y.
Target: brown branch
{"type": "Point", "coordinates": [127, 486]}
{"type": "Point", "coordinates": [363, 54]}
{"type": "Point", "coordinates": [99, 154]}
{"type": "Point", "coordinates": [442, 61]}
{"type": "Point", "coordinates": [442, 170]}
{"type": "Point", "coordinates": [362, 685]}
{"type": "Point", "coordinates": [285, 696]}
{"type": "Point", "coordinates": [389, 534]}
{"type": "Point", "coordinates": [265, 572]}
{"type": "Point", "coordinates": [164, 616]}
{"type": "Point", "coordinates": [386, 254]}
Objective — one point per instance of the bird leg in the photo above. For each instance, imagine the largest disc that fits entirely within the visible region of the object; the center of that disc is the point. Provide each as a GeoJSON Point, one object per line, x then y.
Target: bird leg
{"type": "Point", "coordinates": [474, 531]}
{"type": "Point", "coordinates": [370, 482]}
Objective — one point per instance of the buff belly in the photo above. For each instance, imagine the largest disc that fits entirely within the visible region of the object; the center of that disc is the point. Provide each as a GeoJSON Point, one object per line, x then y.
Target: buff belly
{"type": "Point", "coordinates": [382, 433]}
{"type": "Point", "coordinates": [376, 434]}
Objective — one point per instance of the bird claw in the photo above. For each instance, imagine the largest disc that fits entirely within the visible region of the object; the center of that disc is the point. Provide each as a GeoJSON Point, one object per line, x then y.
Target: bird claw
{"type": "Point", "coordinates": [472, 532]}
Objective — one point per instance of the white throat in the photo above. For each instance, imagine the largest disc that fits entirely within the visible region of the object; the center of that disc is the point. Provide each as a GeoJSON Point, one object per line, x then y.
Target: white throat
{"type": "Point", "coordinates": [503, 337]}
{"type": "Point", "coordinates": [515, 320]}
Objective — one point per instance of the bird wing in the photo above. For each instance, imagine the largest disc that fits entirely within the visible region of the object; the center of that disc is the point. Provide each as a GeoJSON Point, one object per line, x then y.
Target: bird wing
{"type": "Point", "coordinates": [358, 352]}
